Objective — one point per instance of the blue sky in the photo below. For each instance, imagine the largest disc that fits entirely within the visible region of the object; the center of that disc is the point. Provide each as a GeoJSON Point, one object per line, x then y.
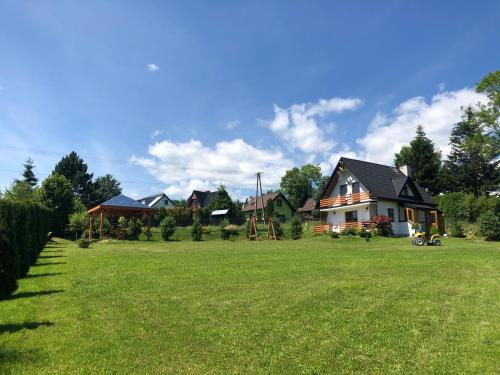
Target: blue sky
{"type": "Point", "coordinates": [174, 96]}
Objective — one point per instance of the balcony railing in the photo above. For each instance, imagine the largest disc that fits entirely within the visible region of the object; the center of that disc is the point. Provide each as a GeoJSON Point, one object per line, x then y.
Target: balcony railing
{"type": "Point", "coordinates": [342, 226]}
{"type": "Point", "coordinates": [343, 200]}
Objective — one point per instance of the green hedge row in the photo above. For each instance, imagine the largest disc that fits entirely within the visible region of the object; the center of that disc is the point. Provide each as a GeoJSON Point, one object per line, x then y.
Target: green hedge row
{"type": "Point", "coordinates": [24, 229]}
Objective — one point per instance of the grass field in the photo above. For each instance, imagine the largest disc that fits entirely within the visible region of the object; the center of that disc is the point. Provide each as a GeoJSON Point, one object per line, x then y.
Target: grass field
{"type": "Point", "coordinates": [318, 305]}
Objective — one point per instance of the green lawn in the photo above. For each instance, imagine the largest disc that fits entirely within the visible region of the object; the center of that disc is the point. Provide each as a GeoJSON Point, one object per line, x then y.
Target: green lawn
{"type": "Point", "coordinates": [319, 305]}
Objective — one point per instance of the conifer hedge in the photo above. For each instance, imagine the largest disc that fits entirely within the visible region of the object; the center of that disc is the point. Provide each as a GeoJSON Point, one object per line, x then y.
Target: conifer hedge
{"type": "Point", "coordinates": [23, 232]}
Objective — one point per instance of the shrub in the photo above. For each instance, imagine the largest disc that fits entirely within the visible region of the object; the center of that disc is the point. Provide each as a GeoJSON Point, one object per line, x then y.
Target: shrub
{"type": "Point", "coordinates": [383, 225]}
{"type": "Point", "coordinates": [456, 230]}
{"type": "Point", "coordinates": [434, 230]}
{"type": "Point", "coordinates": [9, 266]}
{"type": "Point", "coordinates": [223, 233]}
{"type": "Point", "coordinates": [334, 234]}
{"type": "Point", "coordinates": [78, 222]}
{"type": "Point", "coordinates": [231, 231]}
{"type": "Point", "coordinates": [167, 228]}
{"type": "Point", "coordinates": [489, 225]}
{"type": "Point", "coordinates": [196, 230]}
{"type": "Point", "coordinates": [308, 230]}
{"type": "Point", "coordinates": [134, 229]}
{"type": "Point", "coordinates": [349, 231]}
{"type": "Point", "coordinates": [278, 228]}
{"type": "Point", "coordinates": [23, 233]}
{"type": "Point", "coordinates": [83, 243]}
{"type": "Point", "coordinates": [296, 228]}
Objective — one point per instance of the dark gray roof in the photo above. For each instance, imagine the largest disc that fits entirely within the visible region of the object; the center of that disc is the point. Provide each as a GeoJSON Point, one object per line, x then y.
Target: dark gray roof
{"type": "Point", "coordinates": [204, 197]}
{"type": "Point", "coordinates": [384, 181]}
{"type": "Point", "coordinates": [124, 201]}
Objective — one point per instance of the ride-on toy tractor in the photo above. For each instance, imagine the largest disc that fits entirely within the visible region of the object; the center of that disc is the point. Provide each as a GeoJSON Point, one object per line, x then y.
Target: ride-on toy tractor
{"type": "Point", "coordinates": [420, 239]}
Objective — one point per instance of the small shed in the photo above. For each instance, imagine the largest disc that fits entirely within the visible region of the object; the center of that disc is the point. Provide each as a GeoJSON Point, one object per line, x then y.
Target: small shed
{"type": "Point", "coordinates": [121, 205]}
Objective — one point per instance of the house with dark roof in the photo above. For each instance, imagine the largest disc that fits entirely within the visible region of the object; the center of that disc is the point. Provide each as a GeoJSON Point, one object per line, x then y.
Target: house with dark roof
{"type": "Point", "coordinates": [281, 206]}
{"type": "Point", "coordinates": [358, 191]}
{"type": "Point", "coordinates": [157, 201]}
{"type": "Point", "coordinates": [306, 211]}
{"type": "Point", "coordinates": [200, 199]}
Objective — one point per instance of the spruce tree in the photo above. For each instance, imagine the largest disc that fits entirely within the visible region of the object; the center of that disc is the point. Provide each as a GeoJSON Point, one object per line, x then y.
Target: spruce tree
{"type": "Point", "coordinates": [424, 159]}
{"type": "Point", "coordinates": [29, 176]}
{"type": "Point", "coordinates": [473, 163]}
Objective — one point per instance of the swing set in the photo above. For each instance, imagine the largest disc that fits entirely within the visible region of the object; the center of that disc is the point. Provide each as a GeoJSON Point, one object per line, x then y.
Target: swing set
{"type": "Point", "coordinates": [254, 221]}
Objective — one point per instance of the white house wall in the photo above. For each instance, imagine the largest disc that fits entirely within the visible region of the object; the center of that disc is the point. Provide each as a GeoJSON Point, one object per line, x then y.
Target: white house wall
{"type": "Point", "coordinates": [399, 228]}
{"type": "Point", "coordinates": [347, 178]}
{"type": "Point", "coordinates": [337, 216]}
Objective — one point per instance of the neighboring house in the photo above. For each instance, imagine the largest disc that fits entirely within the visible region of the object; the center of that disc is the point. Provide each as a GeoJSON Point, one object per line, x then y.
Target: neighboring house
{"type": "Point", "coordinates": [199, 199]}
{"type": "Point", "coordinates": [358, 191]}
{"type": "Point", "coordinates": [157, 201]}
{"type": "Point", "coordinates": [307, 209]}
{"type": "Point", "coordinates": [282, 207]}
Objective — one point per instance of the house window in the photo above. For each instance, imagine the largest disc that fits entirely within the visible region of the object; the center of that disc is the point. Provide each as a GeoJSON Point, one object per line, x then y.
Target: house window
{"type": "Point", "coordinates": [351, 216]}
{"type": "Point", "coordinates": [390, 213]}
{"type": "Point", "coordinates": [279, 202]}
{"type": "Point", "coordinates": [343, 190]}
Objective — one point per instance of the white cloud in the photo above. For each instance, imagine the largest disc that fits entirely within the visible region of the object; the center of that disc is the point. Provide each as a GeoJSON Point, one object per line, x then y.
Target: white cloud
{"type": "Point", "coordinates": [153, 67]}
{"type": "Point", "coordinates": [156, 133]}
{"type": "Point", "coordinates": [191, 165]}
{"type": "Point", "coordinates": [300, 125]}
{"type": "Point", "coordinates": [232, 125]}
{"type": "Point", "coordinates": [441, 86]}
{"type": "Point", "coordinates": [387, 133]}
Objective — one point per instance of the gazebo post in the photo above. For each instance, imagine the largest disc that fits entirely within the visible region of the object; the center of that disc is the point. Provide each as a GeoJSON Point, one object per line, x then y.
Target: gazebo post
{"type": "Point", "coordinates": [100, 226]}
{"type": "Point", "coordinates": [149, 225]}
{"type": "Point", "coordinates": [90, 227]}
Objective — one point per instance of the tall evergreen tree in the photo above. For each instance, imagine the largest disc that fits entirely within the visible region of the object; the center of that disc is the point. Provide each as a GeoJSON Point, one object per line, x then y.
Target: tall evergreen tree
{"type": "Point", "coordinates": [473, 164]}
{"type": "Point", "coordinates": [75, 170]}
{"type": "Point", "coordinates": [104, 188]}
{"type": "Point", "coordinates": [424, 159]}
{"type": "Point", "coordinates": [29, 176]}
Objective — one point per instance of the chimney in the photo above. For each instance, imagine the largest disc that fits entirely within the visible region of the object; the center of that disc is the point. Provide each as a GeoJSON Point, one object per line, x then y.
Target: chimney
{"type": "Point", "coordinates": [406, 170]}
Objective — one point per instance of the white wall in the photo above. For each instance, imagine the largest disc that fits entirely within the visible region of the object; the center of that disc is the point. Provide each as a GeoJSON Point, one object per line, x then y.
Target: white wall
{"type": "Point", "coordinates": [338, 215]}
{"type": "Point", "coordinates": [346, 178]}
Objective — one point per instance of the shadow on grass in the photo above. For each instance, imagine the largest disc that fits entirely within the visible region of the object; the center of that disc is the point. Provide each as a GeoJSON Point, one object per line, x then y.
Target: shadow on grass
{"type": "Point", "coordinates": [44, 274]}
{"type": "Point", "coordinates": [53, 246]}
{"type": "Point", "coordinates": [51, 256]}
{"type": "Point", "coordinates": [11, 328]}
{"type": "Point", "coordinates": [34, 294]}
{"type": "Point", "coordinates": [47, 264]}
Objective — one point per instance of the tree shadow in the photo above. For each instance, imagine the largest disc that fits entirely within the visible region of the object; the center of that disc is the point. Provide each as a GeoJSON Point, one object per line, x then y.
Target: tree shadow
{"type": "Point", "coordinates": [44, 274]}
{"type": "Point", "coordinates": [47, 264]}
{"type": "Point", "coordinates": [11, 328]}
{"type": "Point", "coordinates": [51, 256]}
{"type": "Point", "coordinates": [34, 294]}
{"type": "Point", "coordinates": [53, 246]}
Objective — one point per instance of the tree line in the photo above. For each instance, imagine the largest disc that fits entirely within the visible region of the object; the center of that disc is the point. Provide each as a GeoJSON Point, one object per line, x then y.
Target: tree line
{"type": "Point", "coordinates": [70, 188]}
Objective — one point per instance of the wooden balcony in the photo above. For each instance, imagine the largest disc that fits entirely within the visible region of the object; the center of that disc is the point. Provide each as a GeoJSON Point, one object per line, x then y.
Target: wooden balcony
{"type": "Point", "coordinates": [344, 200]}
{"type": "Point", "coordinates": [342, 226]}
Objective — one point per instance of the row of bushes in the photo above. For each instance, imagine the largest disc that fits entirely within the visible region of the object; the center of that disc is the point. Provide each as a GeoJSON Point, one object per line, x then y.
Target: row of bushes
{"type": "Point", "coordinates": [471, 216]}
{"type": "Point", "coordinates": [24, 228]}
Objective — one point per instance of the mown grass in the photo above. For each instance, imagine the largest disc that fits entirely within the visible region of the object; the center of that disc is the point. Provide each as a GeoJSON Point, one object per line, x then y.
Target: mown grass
{"type": "Point", "coordinates": [318, 305]}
